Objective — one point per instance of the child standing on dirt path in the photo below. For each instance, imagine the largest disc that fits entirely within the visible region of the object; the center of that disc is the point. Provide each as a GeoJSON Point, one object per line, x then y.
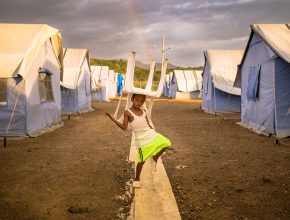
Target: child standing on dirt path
{"type": "Point", "coordinates": [150, 144]}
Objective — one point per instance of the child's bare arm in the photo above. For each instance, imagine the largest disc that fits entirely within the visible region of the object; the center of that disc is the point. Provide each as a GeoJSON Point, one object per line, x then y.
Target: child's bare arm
{"type": "Point", "coordinates": [148, 122]}
{"type": "Point", "coordinates": [123, 125]}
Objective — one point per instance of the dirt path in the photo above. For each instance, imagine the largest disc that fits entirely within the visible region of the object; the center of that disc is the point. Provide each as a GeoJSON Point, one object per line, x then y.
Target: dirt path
{"type": "Point", "coordinates": [217, 169]}
{"type": "Point", "coordinates": [155, 198]}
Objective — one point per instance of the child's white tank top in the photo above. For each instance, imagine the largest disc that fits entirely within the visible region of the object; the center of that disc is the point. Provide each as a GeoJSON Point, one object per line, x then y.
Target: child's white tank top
{"type": "Point", "coordinates": [143, 133]}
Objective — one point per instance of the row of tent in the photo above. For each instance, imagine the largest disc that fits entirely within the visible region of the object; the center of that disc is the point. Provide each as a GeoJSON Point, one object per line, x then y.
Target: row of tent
{"type": "Point", "coordinates": [254, 81]}
{"type": "Point", "coordinates": [106, 84]}
{"type": "Point", "coordinates": [40, 80]}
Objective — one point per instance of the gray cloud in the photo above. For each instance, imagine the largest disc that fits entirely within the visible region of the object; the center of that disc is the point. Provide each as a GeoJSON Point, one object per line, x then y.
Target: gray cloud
{"type": "Point", "coordinates": [113, 28]}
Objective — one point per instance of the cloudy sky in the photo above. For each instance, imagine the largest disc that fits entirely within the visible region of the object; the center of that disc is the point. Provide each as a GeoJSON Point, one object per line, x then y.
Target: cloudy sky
{"type": "Point", "coordinates": [113, 28]}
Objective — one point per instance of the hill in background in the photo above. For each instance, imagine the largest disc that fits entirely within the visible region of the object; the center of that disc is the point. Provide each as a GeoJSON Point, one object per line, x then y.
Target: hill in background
{"type": "Point", "coordinates": [141, 69]}
{"type": "Point", "coordinates": [158, 66]}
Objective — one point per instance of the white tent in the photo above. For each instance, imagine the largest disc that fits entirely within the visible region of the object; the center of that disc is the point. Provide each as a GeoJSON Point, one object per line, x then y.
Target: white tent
{"type": "Point", "coordinates": [219, 92]}
{"type": "Point", "coordinates": [198, 74]}
{"type": "Point", "coordinates": [166, 85]}
{"type": "Point", "coordinates": [184, 84]}
{"type": "Point", "coordinates": [76, 84]}
{"type": "Point", "coordinates": [193, 82]}
{"type": "Point", "coordinates": [113, 81]}
{"type": "Point", "coordinates": [103, 81]}
{"type": "Point", "coordinates": [100, 83]}
{"type": "Point", "coordinates": [116, 85]}
{"type": "Point", "coordinates": [30, 68]}
{"type": "Point", "coordinates": [95, 77]}
{"type": "Point", "coordinates": [96, 83]}
{"type": "Point", "coordinates": [265, 80]}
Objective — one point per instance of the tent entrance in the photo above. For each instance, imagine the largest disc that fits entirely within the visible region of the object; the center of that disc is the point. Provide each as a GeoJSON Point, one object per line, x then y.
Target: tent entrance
{"type": "Point", "coordinates": [98, 85]}
{"type": "Point", "coordinates": [3, 92]}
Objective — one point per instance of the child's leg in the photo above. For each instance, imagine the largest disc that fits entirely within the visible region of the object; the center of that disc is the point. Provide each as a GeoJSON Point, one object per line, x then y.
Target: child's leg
{"type": "Point", "coordinates": [155, 158]}
{"type": "Point", "coordinates": [138, 170]}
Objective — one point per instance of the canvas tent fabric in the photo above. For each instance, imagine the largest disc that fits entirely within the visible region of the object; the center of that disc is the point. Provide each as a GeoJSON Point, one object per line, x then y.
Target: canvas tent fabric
{"type": "Point", "coordinates": [223, 67]}
{"type": "Point", "coordinates": [172, 86]}
{"type": "Point", "coordinates": [105, 94]}
{"type": "Point", "coordinates": [181, 80]}
{"type": "Point", "coordinates": [191, 81]}
{"type": "Point", "coordinates": [198, 74]}
{"type": "Point", "coordinates": [100, 83]}
{"type": "Point", "coordinates": [166, 85]}
{"type": "Point", "coordinates": [219, 91]}
{"type": "Point", "coordinates": [113, 78]}
{"type": "Point", "coordinates": [20, 44]}
{"type": "Point", "coordinates": [184, 84]}
{"type": "Point", "coordinates": [76, 83]}
{"type": "Point", "coordinates": [30, 71]}
{"type": "Point", "coordinates": [265, 80]}
{"type": "Point", "coordinates": [95, 78]}
{"type": "Point", "coordinates": [276, 36]}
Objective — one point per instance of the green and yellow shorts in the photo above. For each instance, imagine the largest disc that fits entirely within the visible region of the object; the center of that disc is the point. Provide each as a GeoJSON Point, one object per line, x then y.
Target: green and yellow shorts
{"type": "Point", "coordinates": [152, 148]}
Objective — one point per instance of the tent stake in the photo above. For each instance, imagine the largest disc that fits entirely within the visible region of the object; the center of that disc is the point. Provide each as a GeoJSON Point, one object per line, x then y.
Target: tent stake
{"type": "Point", "coordinates": [5, 141]}
{"type": "Point", "coordinates": [68, 117]}
{"type": "Point", "coordinates": [277, 141]}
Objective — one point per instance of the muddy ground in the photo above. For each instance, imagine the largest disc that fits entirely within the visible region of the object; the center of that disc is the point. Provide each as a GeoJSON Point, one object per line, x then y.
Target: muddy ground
{"type": "Point", "coordinates": [218, 170]}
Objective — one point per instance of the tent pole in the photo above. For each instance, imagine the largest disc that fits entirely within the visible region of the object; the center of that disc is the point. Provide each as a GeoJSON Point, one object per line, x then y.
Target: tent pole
{"type": "Point", "coordinates": [228, 99]}
{"type": "Point", "coordinates": [276, 130]}
{"type": "Point", "coordinates": [214, 100]}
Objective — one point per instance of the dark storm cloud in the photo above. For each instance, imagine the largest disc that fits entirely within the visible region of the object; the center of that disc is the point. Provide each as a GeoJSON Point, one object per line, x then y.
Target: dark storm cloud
{"type": "Point", "coordinates": [112, 28]}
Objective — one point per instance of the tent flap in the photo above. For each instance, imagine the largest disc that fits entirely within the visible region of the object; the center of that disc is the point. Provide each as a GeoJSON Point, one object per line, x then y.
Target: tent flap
{"type": "Point", "coordinates": [253, 83]}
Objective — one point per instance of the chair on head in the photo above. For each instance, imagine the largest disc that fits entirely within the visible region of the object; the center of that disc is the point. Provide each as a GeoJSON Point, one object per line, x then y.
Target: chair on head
{"type": "Point", "coordinates": [147, 91]}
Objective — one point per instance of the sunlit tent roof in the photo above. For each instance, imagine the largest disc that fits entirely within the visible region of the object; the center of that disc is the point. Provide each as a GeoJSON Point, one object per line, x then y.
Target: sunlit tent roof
{"type": "Point", "coordinates": [191, 80]}
{"type": "Point", "coordinates": [181, 81]}
{"type": "Point", "coordinates": [20, 44]}
{"type": "Point", "coordinates": [223, 66]}
{"type": "Point", "coordinates": [277, 36]}
{"type": "Point", "coordinates": [187, 80]}
{"type": "Point", "coordinates": [73, 62]}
